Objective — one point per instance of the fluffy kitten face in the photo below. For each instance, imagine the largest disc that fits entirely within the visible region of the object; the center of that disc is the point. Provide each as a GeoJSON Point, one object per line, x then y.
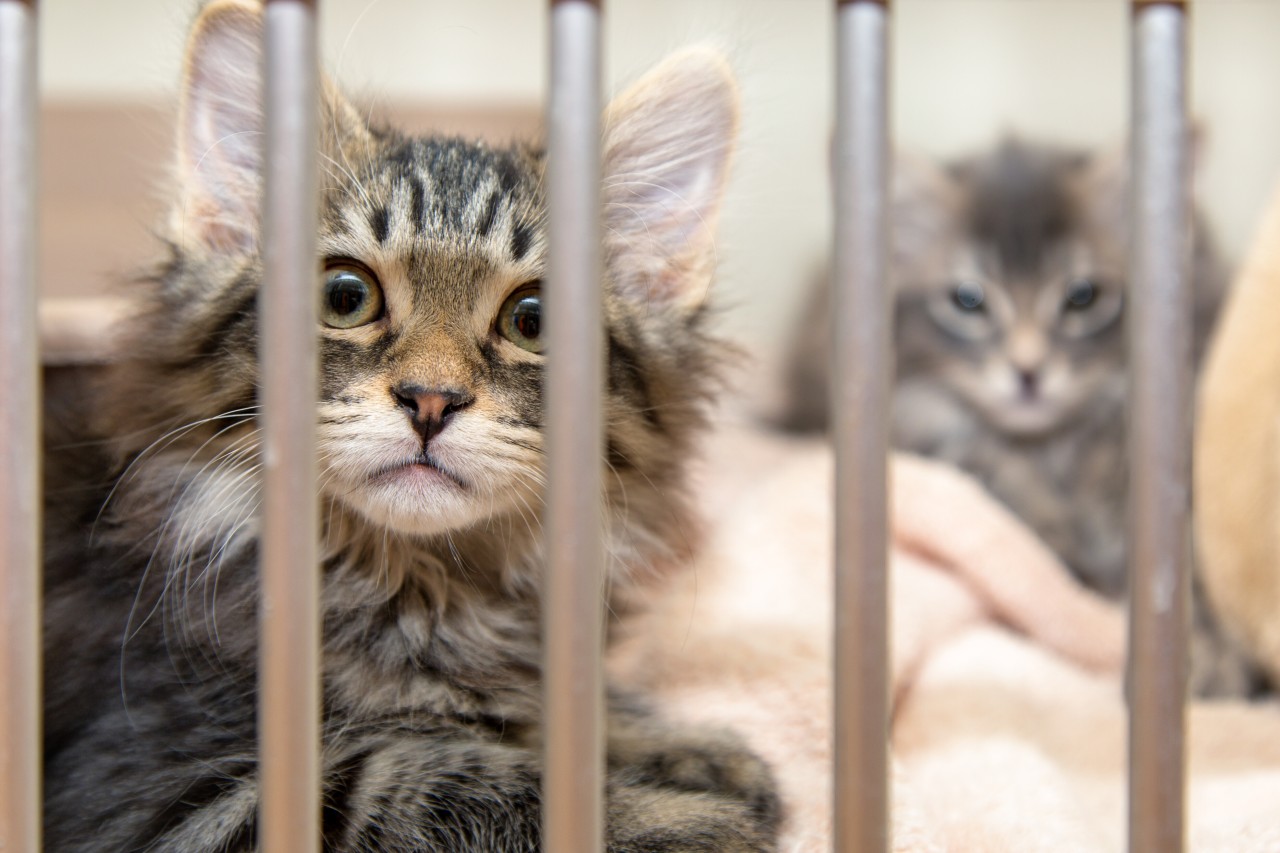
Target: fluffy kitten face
{"type": "Point", "coordinates": [1017, 301]}
{"type": "Point", "coordinates": [430, 412]}
{"type": "Point", "coordinates": [432, 253]}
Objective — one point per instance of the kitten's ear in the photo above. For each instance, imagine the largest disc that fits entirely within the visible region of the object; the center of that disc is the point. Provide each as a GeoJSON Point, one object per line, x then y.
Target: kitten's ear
{"type": "Point", "coordinates": [926, 204]}
{"type": "Point", "coordinates": [920, 181]}
{"type": "Point", "coordinates": [1102, 184]}
{"type": "Point", "coordinates": [220, 129]}
{"type": "Point", "coordinates": [668, 140]}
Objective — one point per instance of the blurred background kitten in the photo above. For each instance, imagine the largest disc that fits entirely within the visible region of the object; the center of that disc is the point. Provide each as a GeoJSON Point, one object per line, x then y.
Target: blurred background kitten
{"type": "Point", "coordinates": [1009, 276]}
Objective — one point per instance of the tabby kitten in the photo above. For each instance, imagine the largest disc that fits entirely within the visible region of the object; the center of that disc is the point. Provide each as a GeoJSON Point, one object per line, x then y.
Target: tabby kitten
{"type": "Point", "coordinates": [1009, 275]}
{"type": "Point", "coordinates": [430, 429]}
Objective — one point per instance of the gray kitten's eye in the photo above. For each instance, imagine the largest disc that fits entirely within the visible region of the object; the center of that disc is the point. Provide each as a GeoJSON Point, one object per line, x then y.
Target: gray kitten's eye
{"type": "Point", "coordinates": [968, 296]}
{"type": "Point", "coordinates": [1090, 306]}
{"type": "Point", "coordinates": [520, 318]}
{"type": "Point", "coordinates": [1081, 294]}
{"type": "Point", "coordinates": [352, 296]}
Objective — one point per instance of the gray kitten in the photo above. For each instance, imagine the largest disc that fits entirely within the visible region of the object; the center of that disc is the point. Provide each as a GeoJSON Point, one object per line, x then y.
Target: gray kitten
{"type": "Point", "coordinates": [1009, 274]}
{"type": "Point", "coordinates": [430, 432]}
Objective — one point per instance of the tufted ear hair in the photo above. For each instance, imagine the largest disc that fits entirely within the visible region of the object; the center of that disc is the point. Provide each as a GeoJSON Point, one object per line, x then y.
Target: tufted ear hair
{"type": "Point", "coordinates": [220, 128]}
{"type": "Point", "coordinates": [668, 140]}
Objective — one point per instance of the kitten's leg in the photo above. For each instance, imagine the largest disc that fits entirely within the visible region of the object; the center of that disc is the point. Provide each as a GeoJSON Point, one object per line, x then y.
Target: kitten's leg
{"type": "Point", "coordinates": [667, 790]}
{"type": "Point", "coordinates": [403, 793]}
{"type": "Point", "coordinates": [412, 793]}
{"type": "Point", "coordinates": [397, 791]}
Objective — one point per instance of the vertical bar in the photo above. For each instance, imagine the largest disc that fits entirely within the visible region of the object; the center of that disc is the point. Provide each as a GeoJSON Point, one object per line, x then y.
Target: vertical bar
{"type": "Point", "coordinates": [289, 680]}
{"type": "Point", "coordinates": [861, 371]}
{"type": "Point", "coordinates": [19, 437]}
{"type": "Point", "coordinates": [573, 613]}
{"type": "Point", "coordinates": [1159, 427]}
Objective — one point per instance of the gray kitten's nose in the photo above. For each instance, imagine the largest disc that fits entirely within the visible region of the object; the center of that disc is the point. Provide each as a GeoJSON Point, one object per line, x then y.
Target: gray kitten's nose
{"type": "Point", "coordinates": [430, 409]}
{"type": "Point", "coordinates": [1028, 383]}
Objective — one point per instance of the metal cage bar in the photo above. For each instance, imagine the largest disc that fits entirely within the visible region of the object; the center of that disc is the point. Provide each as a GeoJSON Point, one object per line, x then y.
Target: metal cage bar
{"type": "Point", "coordinates": [573, 609]}
{"type": "Point", "coordinates": [862, 375]}
{"type": "Point", "coordinates": [20, 746]}
{"type": "Point", "coordinates": [289, 678]}
{"type": "Point", "coordinates": [1159, 428]}
{"type": "Point", "coordinates": [1159, 436]}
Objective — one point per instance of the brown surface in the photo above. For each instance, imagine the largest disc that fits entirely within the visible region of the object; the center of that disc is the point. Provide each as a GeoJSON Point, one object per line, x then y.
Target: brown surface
{"type": "Point", "coordinates": [79, 330]}
{"type": "Point", "coordinates": [103, 175]}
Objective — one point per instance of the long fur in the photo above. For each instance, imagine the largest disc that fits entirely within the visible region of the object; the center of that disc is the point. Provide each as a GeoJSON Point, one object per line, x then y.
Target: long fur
{"type": "Point", "coordinates": [430, 593]}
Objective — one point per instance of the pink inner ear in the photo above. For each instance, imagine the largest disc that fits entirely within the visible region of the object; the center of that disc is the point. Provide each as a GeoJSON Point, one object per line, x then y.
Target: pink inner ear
{"type": "Point", "coordinates": [660, 219]}
{"type": "Point", "coordinates": [669, 140]}
{"type": "Point", "coordinates": [221, 156]}
{"type": "Point", "coordinates": [223, 122]}
{"type": "Point", "coordinates": [662, 199]}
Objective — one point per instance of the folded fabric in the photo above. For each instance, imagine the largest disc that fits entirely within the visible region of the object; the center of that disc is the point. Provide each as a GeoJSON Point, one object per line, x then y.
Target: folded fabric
{"type": "Point", "coordinates": [1009, 722]}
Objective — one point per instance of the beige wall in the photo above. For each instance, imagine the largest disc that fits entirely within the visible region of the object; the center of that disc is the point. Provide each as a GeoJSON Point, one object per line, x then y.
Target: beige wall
{"type": "Point", "coordinates": [965, 70]}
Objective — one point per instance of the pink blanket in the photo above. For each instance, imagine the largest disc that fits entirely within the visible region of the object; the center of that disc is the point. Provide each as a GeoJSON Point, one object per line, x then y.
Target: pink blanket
{"type": "Point", "coordinates": [1008, 718]}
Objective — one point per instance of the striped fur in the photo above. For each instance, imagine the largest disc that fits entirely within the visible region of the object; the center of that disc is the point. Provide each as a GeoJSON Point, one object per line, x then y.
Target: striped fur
{"type": "Point", "coordinates": [430, 594]}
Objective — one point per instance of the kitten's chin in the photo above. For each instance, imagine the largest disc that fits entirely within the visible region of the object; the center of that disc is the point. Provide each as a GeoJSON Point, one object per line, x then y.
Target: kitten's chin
{"type": "Point", "coordinates": [415, 498]}
{"type": "Point", "coordinates": [1027, 419]}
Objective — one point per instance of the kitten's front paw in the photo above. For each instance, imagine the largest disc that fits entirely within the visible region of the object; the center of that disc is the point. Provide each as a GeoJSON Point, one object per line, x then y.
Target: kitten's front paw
{"type": "Point", "coordinates": [714, 763]}
{"type": "Point", "coordinates": [657, 820]}
{"type": "Point", "coordinates": [689, 791]}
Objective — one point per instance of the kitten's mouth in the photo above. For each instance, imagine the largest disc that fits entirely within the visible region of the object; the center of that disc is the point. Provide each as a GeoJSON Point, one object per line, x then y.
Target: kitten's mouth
{"type": "Point", "coordinates": [1027, 415]}
{"type": "Point", "coordinates": [419, 468]}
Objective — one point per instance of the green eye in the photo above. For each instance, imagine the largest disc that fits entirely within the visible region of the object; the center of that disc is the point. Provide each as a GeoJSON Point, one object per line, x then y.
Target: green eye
{"type": "Point", "coordinates": [520, 320]}
{"type": "Point", "coordinates": [352, 296]}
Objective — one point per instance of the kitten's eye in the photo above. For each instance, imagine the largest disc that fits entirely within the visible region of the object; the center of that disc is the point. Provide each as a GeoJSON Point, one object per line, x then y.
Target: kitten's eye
{"type": "Point", "coordinates": [352, 296]}
{"type": "Point", "coordinates": [1090, 306]}
{"type": "Point", "coordinates": [968, 296]}
{"type": "Point", "coordinates": [520, 319]}
{"type": "Point", "coordinates": [1081, 294]}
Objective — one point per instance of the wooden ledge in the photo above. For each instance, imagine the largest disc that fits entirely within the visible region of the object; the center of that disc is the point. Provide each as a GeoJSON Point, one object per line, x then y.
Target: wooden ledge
{"type": "Point", "coordinates": [80, 330]}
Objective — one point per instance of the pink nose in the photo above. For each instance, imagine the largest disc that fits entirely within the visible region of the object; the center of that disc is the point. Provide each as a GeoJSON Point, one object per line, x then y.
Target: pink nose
{"type": "Point", "coordinates": [430, 409]}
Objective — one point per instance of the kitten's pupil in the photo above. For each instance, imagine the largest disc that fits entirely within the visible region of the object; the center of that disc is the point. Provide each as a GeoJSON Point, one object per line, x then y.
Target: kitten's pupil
{"type": "Point", "coordinates": [968, 296]}
{"type": "Point", "coordinates": [1081, 294]}
{"type": "Point", "coordinates": [346, 295]}
{"type": "Point", "coordinates": [527, 317]}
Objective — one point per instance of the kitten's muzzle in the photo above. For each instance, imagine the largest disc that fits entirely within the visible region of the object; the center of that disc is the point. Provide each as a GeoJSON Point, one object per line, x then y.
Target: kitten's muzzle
{"type": "Point", "coordinates": [430, 409]}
